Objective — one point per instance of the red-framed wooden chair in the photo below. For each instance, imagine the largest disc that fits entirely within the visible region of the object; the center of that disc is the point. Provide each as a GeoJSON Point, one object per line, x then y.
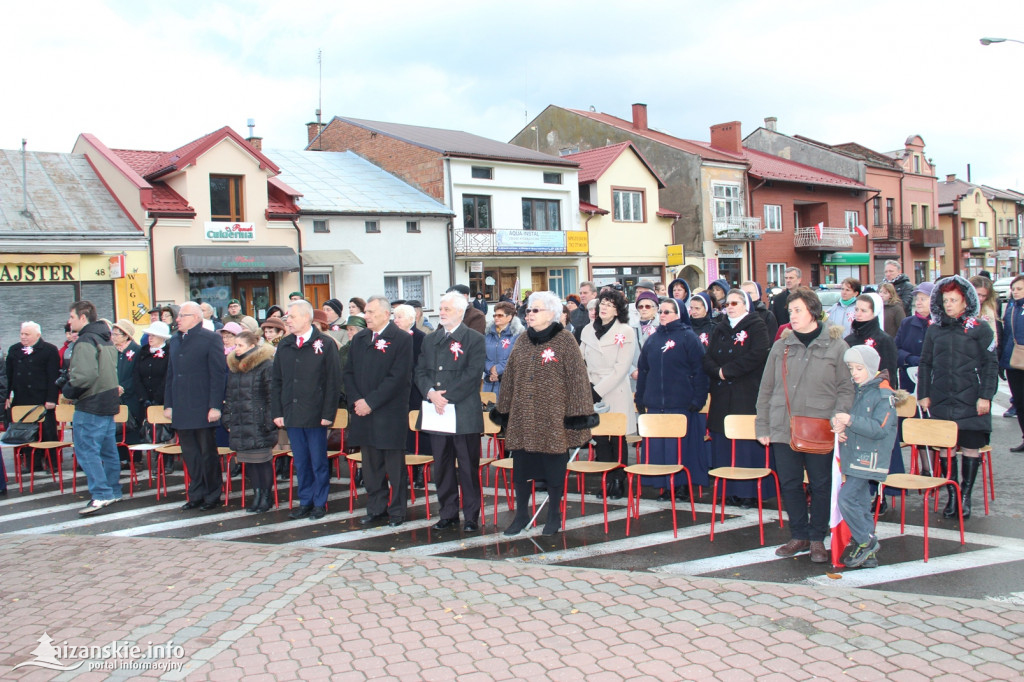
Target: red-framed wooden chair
{"type": "Point", "coordinates": [658, 426]}
{"type": "Point", "coordinates": [612, 424]}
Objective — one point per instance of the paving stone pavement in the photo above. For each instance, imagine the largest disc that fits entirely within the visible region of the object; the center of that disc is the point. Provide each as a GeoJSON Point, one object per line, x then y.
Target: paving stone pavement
{"type": "Point", "coordinates": [283, 612]}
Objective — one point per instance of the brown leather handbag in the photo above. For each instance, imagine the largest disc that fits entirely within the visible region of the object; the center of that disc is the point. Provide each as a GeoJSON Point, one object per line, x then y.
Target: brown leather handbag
{"type": "Point", "coordinates": [807, 434]}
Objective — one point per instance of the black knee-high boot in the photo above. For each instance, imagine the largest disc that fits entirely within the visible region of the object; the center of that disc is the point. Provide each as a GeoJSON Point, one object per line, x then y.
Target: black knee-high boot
{"type": "Point", "coordinates": [950, 512]}
{"type": "Point", "coordinates": [523, 489]}
{"type": "Point", "coordinates": [969, 472]}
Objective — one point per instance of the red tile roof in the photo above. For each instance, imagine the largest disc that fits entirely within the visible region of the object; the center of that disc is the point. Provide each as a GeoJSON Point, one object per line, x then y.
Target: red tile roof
{"type": "Point", "coordinates": [666, 213]}
{"type": "Point", "coordinates": [152, 165]}
{"type": "Point", "coordinates": [701, 149]}
{"type": "Point", "coordinates": [163, 199]}
{"type": "Point", "coordinates": [594, 162]}
{"type": "Point", "coordinates": [590, 208]}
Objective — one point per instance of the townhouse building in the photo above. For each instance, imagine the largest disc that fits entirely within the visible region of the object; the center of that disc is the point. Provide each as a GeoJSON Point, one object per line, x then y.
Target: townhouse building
{"type": "Point", "coordinates": [983, 225]}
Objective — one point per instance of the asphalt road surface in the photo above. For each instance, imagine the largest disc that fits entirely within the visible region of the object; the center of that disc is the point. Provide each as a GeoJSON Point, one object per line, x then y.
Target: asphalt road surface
{"type": "Point", "coordinates": [989, 566]}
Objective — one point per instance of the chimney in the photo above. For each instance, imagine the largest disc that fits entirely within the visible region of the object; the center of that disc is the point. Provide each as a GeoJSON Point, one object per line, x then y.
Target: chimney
{"type": "Point", "coordinates": [639, 116]}
{"type": "Point", "coordinates": [771, 123]}
{"type": "Point", "coordinates": [255, 142]}
{"type": "Point", "coordinates": [951, 177]}
{"type": "Point", "coordinates": [313, 129]}
{"type": "Point", "coordinates": [726, 136]}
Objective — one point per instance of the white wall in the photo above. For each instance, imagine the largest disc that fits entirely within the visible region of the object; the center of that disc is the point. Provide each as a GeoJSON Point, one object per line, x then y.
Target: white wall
{"type": "Point", "coordinates": [511, 184]}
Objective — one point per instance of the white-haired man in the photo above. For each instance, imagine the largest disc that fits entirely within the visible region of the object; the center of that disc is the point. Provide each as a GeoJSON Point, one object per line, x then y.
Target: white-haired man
{"type": "Point", "coordinates": [448, 373]}
{"type": "Point", "coordinates": [32, 368]}
{"type": "Point", "coordinates": [304, 394]}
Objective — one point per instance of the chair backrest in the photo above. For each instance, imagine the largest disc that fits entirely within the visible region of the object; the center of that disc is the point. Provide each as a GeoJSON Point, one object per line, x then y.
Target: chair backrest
{"type": "Point", "coordinates": [934, 433]}
{"type": "Point", "coordinates": [612, 424]}
{"type": "Point", "coordinates": [18, 413]}
{"type": "Point", "coordinates": [741, 427]}
{"type": "Point", "coordinates": [65, 413]}
{"type": "Point", "coordinates": [662, 426]}
{"type": "Point", "coordinates": [414, 416]}
{"type": "Point", "coordinates": [155, 415]}
{"type": "Point", "coordinates": [707, 405]}
{"type": "Point", "coordinates": [488, 397]}
{"type": "Point", "coordinates": [907, 409]}
{"type": "Point", "coordinates": [340, 419]}
{"type": "Point", "coordinates": [120, 418]}
{"type": "Point", "coordinates": [490, 428]}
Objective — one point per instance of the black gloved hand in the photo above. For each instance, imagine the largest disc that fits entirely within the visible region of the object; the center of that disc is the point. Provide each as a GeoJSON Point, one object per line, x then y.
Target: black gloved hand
{"type": "Point", "coordinates": [594, 394]}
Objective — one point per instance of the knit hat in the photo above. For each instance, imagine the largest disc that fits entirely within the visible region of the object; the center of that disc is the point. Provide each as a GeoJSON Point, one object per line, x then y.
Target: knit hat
{"type": "Point", "coordinates": [864, 355]}
{"type": "Point", "coordinates": [335, 305]}
{"type": "Point", "coordinates": [127, 327]}
{"type": "Point", "coordinates": [647, 296]}
{"type": "Point", "coordinates": [275, 322]}
{"type": "Point", "coordinates": [232, 327]}
{"type": "Point", "coordinates": [356, 321]}
{"type": "Point", "coordinates": [296, 293]}
{"type": "Point", "coordinates": [924, 288]}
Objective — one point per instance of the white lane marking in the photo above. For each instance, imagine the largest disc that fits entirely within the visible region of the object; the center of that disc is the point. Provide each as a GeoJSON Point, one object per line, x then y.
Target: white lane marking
{"type": "Point", "coordinates": [357, 535]}
{"type": "Point", "coordinates": [719, 563]}
{"type": "Point", "coordinates": [95, 518]}
{"type": "Point", "coordinates": [918, 568]}
{"type": "Point", "coordinates": [77, 505]}
{"type": "Point", "coordinates": [21, 498]}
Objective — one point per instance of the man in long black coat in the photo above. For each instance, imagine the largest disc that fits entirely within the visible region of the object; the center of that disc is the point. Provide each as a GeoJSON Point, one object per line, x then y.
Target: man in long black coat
{"type": "Point", "coordinates": [193, 398]}
{"type": "Point", "coordinates": [448, 373]}
{"type": "Point", "coordinates": [378, 375]}
{"type": "Point", "coordinates": [32, 368]}
{"type": "Point", "coordinates": [304, 391]}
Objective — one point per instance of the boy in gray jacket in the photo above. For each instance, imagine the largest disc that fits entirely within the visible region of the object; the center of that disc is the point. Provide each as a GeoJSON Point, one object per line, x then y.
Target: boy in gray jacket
{"type": "Point", "coordinates": [866, 437]}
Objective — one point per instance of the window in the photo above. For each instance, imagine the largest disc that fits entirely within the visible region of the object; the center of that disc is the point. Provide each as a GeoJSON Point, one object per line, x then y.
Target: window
{"type": "Point", "coordinates": [226, 198]}
{"type": "Point", "coordinates": [852, 220]}
{"type": "Point", "coordinates": [494, 281]}
{"type": "Point", "coordinates": [913, 216]}
{"type": "Point", "coordinates": [566, 151]}
{"type": "Point", "coordinates": [890, 212]}
{"type": "Point", "coordinates": [372, 226]}
{"type": "Point", "coordinates": [628, 205]}
{"type": "Point", "coordinates": [415, 286]}
{"type": "Point", "coordinates": [924, 222]}
{"type": "Point", "coordinates": [777, 273]}
{"type": "Point", "coordinates": [772, 218]}
{"type": "Point", "coordinates": [321, 226]}
{"type": "Point", "coordinates": [876, 211]}
{"type": "Point", "coordinates": [476, 212]}
{"type": "Point", "coordinates": [562, 281]}
{"type": "Point", "coordinates": [553, 178]}
{"type": "Point", "coordinates": [482, 173]}
{"type": "Point", "coordinates": [917, 163]}
{"type": "Point", "coordinates": [412, 226]}
{"type": "Point", "coordinates": [541, 215]}
{"type": "Point", "coordinates": [727, 202]}
{"type": "Point", "coordinates": [982, 228]}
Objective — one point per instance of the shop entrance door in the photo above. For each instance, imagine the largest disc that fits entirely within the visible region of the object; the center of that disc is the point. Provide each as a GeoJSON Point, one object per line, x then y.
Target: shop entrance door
{"type": "Point", "coordinates": [256, 296]}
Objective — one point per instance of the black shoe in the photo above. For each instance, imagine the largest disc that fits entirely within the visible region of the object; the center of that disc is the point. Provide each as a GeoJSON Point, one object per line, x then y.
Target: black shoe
{"type": "Point", "coordinates": [3, 493]}
{"type": "Point", "coordinates": [665, 495]}
{"type": "Point", "coordinates": [471, 527]}
{"type": "Point", "coordinates": [265, 502]}
{"type": "Point", "coordinates": [616, 491]}
{"type": "Point", "coordinates": [372, 520]}
{"type": "Point", "coordinates": [732, 501]}
{"type": "Point", "coordinates": [417, 478]}
{"type": "Point", "coordinates": [191, 505]}
{"type": "Point", "coordinates": [748, 502]}
{"type": "Point", "coordinates": [395, 523]}
{"type": "Point", "coordinates": [302, 512]}
{"type": "Point", "coordinates": [553, 525]}
{"type": "Point", "coordinates": [517, 526]}
{"type": "Point", "coordinates": [446, 523]}
{"type": "Point", "coordinates": [236, 469]}
{"type": "Point", "coordinates": [683, 494]}
{"type": "Point", "coordinates": [257, 500]}
{"type": "Point", "coordinates": [168, 467]}
{"type": "Point", "coordinates": [1019, 448]}
{"type": "Point", "coordinates": [883, 506]}
{"type": "Point", "coordinates": [317, 513]}
{"type": "Point", "coordinates": [207, 506]}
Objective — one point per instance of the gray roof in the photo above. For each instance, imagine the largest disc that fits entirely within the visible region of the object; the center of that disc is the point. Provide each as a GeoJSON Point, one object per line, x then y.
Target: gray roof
{"type": "Point", "coordinates": [64, 195]}
{"type": "Point", "coordinates": [458, 143]}
{"type": "Point", "coordinates": [344, 182]}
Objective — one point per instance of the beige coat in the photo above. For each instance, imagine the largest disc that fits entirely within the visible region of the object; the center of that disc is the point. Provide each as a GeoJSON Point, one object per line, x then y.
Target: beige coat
{"type": "Point", "coordinates": [609, 363]}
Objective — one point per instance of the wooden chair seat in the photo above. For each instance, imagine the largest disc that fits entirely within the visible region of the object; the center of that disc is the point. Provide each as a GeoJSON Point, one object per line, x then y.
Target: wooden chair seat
{"type": "Point", "coordinates": [592, 467]}
{"type": "Point", "coordinates": [169, 449]}
{"type": "Point", "coordinates": [739, 473]}
{"type": "Point", "coordinates": [654, 469]}
{"type": "Point", "coordinates": [503, 463]}
{"type": "Point", "coordinates": [50, 444]}
{"type": "Point", "coordinates": [356, 457]}
{"type": "Point", "coordinates": [633, 440]}
{"type": "Point", "coordinates": [914, 481]}
{"type": "Point", "coordinates": [225, 451]}
{"type": "Point", "coordinates": [417, 460]}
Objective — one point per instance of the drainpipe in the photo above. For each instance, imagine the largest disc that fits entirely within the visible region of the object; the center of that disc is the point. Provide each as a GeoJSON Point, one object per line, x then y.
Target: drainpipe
{"type": "Point", "coordinates": [586, 228]}
{"type": "Point", "coordinates": [450, 232]}
{"type": "Point", "coordinates": [152, 265]}
{"type": "Point", "coordinates": [298, 238]}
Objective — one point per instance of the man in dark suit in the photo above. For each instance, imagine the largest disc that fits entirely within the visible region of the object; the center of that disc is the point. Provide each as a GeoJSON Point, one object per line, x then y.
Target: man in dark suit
{"type": "Point", "coordinates": [781, 301]}
{"type": "Point", "coordinates": [378, 374]}
{"type": "Point", "coordinates": [32, 368]}
{"type": "Point", "coordinates": [474, 319]}
{"type": "Point", "coordinates": [193, 398]}
{"type": "Point", "coordinates": [304, 395]}
{"type": "Point", "coordinates": [448, 373]}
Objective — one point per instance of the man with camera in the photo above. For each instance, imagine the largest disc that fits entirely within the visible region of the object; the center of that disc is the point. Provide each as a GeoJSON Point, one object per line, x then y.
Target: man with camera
{"type": "Point", "coordinates": [92, 385]}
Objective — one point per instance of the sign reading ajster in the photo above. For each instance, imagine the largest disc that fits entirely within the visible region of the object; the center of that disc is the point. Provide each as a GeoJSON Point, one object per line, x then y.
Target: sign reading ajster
{"type": "Point", "coordinates": [230, 232]}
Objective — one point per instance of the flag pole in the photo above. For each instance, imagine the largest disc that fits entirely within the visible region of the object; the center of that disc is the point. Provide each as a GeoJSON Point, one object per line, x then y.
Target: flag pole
{"type": "Point", "coordinates": [548, 496]}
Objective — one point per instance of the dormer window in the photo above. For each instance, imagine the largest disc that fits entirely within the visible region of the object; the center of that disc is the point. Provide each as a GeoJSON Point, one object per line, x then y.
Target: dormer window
{"type": "Point", "coordinates": [226, 198]}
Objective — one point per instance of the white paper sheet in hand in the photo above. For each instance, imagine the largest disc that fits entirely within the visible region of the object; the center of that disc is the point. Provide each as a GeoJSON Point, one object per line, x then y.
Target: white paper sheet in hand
{"type": "Point", "coordinates": [430, 420]}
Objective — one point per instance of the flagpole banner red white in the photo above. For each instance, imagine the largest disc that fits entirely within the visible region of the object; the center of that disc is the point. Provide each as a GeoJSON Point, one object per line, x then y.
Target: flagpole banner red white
{"type": "Point", "coordinates": [819, 230]}
{"type": "Point", "coordinates": [861, 230]}
{"type": "Point", "coordinates": [840, 531]}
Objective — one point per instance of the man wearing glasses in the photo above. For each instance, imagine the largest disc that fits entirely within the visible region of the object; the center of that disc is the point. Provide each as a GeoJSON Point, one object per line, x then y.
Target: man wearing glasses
{"type": "Point", "coordinates": [647, 309]}
{"type": "Point", "coordinates": [193, 397]}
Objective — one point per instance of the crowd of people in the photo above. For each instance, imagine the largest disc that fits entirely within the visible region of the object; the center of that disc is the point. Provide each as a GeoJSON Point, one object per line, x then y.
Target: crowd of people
{"type": "Point", "coordinates": [554, 367]}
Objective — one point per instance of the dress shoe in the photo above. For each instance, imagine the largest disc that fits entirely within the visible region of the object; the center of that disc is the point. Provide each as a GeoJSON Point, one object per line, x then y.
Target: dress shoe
{"type": "Point", "coordinates": [236, 469]}
{"type": "Point", "coordinates": [207, 506]}
{"type": "Point", "coordinates": [664, 496]}
{"type": "Point", "coordinates": [683, 494]}
{"type": "Point", "coordinates": [317, 513]}
{"type": "Point", "coordinates": [792, 548]}
{"type": "Point", "coordinates": [446, 523]}
{"type": "Point", "coordinates": [1019, 448]}
{"type": "Point", "coordinates": [395, 523]}
{"type": "Point", "coordinates": [471, 527]}
{"type": "Point", "coordinates": [371, 520]}
{"type": "Point", "coordinates": [191, 505]}
{"type": "Point", "coordinates": [554, 523]}
{"type": "Point", "coordinates": [302, 512]}
{"type": "Point", "coordinates": [819, 555]}
{"type": "Point", "coordinates": [517, 526]}
{"type": "Point", "coordinates": [748, 502]}
{"type": "Point", "coordinates": [1011, 413]}
{"type": "Point", "coordinates": [616, 491]}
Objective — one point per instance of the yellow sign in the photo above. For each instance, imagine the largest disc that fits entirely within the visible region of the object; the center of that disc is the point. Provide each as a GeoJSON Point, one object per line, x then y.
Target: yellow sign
{"type": "Point", "coordinates": [132, 298]}
{"type": "Point", "coordinates": [675, 254]}
{"type": "Point", "coordinates": [577, 241]}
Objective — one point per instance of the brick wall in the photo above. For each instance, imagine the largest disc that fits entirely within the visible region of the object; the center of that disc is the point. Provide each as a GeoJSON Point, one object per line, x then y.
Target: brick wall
{"type": "Point", "coordinates": [420, 167]}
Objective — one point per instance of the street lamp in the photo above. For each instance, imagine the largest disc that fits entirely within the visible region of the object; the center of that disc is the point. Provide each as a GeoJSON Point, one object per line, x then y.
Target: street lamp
{"type": "Point", "coordinates": [989, 41]}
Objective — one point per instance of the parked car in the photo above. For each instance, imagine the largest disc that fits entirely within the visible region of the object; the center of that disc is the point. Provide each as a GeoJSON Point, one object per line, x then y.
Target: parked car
{"type": "Point", "coordinates": [829, 295]}
{"type": "Point", "coordinates": [1002, 287]}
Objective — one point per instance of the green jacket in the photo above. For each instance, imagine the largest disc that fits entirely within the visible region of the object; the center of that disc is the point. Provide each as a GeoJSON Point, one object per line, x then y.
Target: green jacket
{"type": "Point", "coordinates": [92, 375]}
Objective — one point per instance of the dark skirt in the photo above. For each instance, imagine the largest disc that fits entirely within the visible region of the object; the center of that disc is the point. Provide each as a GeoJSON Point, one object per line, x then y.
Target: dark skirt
{"type": "Point", "coordinates": [696, 453]}
{"type": "Point", "coordinates": [972, 440]}
{"type": "Point", "coordinates": [749, 453]}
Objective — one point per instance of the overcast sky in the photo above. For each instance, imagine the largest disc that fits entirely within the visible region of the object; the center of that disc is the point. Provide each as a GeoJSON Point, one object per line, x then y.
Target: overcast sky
{"type": "Point", "coordinates": [155, 76]}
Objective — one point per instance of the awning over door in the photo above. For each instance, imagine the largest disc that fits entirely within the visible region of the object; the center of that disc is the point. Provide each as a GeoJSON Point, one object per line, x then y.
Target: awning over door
{"type": "Point", "coordinates": [235, 259]}
{"type": "Point", "coordinates": [330, 257]}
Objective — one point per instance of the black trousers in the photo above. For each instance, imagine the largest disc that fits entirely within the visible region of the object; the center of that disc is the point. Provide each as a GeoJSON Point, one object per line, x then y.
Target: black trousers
{"type": "Point", "coordinates": [465, 449]}
{"type": "Point", "coordinates": [606, 449]}
{"type": "Point", "coordinates": [381, 467]}
{"type": "Point", "coordinates": [1015, 378]}
{"type": "Point", "coordinates": [199, 450]}
{"type": "Point", "coordinates": [791, 465]}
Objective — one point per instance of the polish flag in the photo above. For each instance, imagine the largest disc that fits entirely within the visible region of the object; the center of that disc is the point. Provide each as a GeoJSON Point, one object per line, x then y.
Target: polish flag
{"type": "Point", "coordinates": [819, 230]}
{"type": "Point", "coordinates": [861, 230]}
{"type": "Point", "coordinates": [840, 531]}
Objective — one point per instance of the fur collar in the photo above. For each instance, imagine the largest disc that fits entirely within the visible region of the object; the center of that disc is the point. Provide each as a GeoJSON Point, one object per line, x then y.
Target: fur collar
{"type": "Point", "coordinates": [260, 354]}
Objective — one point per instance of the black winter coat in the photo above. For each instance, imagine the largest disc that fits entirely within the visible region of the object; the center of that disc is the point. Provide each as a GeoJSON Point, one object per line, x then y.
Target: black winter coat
{"type": "Point", "coordinates": [307, 381]}
{"type": "Point", "coordinates": [740, 353]}
{"type": "Point", "coordinates": [126, 378]}
{"type": "Point", "coordinates": [957, 366]}
{"type": "Point", "coordinates": [246, 413]}
{"type": "Point", "coordinates": [768, 317]}
{"type": "Point", "coordinates": [150, 372]}
{"type": "Point", "coordinates": [456, 370]}
{"type": "Point", "coordinates": [703, 327]}
{"type": "Point", "coordinates": [196, 373]}
{"type": "Point", "coordinates": [870, 333]}
{"type": "Point", "coordinates": [380, 374]}
{"type": "Point", "coordinates": [32, 376]}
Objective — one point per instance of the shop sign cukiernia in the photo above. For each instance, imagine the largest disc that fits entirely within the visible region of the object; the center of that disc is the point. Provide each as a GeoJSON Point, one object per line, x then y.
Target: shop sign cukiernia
{"type": "Point", "coordinates": [230, 232]}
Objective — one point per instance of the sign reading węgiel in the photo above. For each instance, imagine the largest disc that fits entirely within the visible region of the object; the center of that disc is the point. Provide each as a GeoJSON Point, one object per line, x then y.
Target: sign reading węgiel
{"type": "Point", "coordinates": [230, 232]}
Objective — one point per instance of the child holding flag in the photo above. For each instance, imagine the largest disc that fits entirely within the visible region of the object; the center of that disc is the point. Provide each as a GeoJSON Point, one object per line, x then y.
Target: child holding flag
{"type": "Point", "coordinates": [866, 437]}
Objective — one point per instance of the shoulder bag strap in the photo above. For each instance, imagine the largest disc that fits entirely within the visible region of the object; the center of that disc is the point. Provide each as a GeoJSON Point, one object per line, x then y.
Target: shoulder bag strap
{"type": "Point", "coordinates": [785, 383]}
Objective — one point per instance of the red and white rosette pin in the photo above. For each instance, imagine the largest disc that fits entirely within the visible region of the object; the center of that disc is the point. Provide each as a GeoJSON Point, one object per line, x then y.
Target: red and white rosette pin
{"type": "Point", "coordinates": [456, 349]}
{"type": "Point", "coordinates": [548, 356]}
{"type": "Point", "coordinates": [740, 337]}
{"type": "Point", "coordinates": [668, 346]}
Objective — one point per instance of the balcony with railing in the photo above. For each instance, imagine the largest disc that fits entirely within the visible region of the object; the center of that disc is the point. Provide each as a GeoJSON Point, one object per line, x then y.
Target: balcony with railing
{"type": "Point", "coordinates": [738, 230]}
{"type": "Point", "coordinates": [892, 232]}
{"type": "Point", "coordinates": [1008, 241]}
{"type": "Point", "coordinates": [520, 242]}
{"type": "Point", "coordinates": [926, 239]}
{"type": "Point", "coordinates": [832, 239]}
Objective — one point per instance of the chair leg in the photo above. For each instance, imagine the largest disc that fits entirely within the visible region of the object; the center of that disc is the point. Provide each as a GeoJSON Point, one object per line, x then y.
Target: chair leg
{"type": "Point", "coordinates": [760, 517]}
{"type": "Point", "coordinates": [629, 500]}
{"type": "Point", "coordinates": [778, 497]}
{"type": "Point", "coordinates": [291, 478]}
{"type": "Point", "coordinates": [604, 497]}
{"type": "Point", "coordinates": [714, 502]}
{"type": "Point", "coordinates": [672, 496]}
